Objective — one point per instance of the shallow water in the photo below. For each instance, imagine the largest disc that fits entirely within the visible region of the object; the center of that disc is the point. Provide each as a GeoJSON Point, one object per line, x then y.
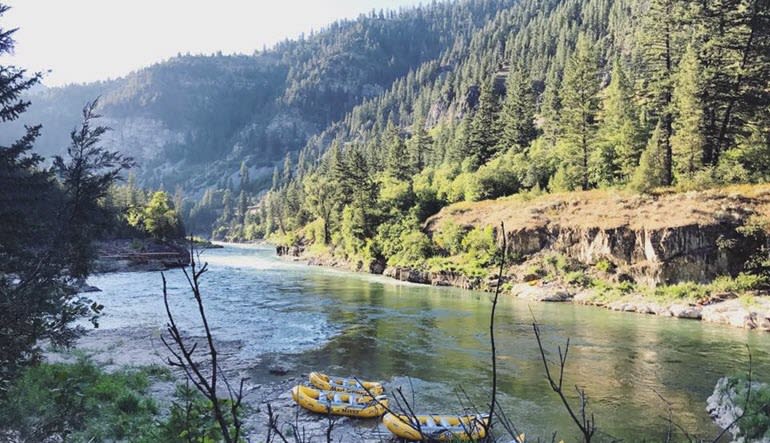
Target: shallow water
{"type": "Point", "coordinates": [346, 323]}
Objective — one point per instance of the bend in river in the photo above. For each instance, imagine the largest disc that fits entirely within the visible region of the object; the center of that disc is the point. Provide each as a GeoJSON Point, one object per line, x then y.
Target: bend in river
{"type": "Point", "coordinates": [436, 340]}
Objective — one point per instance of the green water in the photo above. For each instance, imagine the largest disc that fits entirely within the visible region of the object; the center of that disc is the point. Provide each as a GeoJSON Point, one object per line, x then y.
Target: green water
{"type": "Point", "coordinates": [435, 340]}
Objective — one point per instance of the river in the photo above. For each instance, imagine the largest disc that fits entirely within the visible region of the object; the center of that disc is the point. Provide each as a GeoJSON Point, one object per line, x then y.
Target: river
{"type": "Point", "coordinates": [435, 340]}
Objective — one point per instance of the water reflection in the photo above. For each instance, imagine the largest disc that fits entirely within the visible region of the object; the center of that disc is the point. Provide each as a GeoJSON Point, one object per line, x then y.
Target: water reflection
{"type": "Point", "coordinates": [379, 328]}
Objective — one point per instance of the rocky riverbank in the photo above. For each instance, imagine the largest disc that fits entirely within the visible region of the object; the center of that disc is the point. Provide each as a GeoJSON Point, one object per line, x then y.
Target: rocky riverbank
{"type": "Point", "coordinates": [610, 249]}
{"type": "Point", "coordinates": [750, 311]}
{"type": "Point", "coordinates": [268, 381]}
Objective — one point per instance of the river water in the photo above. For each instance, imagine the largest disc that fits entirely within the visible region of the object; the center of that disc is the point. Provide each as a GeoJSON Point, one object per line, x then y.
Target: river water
{"type": "Point", "coordinates": [435, 341]}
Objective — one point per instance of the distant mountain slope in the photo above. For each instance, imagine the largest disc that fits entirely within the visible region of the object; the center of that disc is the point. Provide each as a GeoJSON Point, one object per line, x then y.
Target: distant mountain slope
{"type": "Point", "coordinates": [192, 120]}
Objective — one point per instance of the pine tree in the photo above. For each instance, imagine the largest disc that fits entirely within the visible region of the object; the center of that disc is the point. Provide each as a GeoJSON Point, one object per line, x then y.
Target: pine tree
{"type": "Point", "coordinates": [651, 172]}
{"type": "Point", "coordinates": [86, 175]}
{"type": "Point", "coordinates": [618, 138]}
{"type": "Point", "coordinates": [483, 136]}
{"type": "Point", "coordinates": [687, 143]}
{"type": "Point", "coordinates": [397, 161]}
{"type": "Point", "coordinates": [517, 117]}
{"type": "Point", "coordinates": [287, 170]}
{"type": "Point", "coordinates": [37, 303]}
{"type": "Point", "coordinates": [420, 145]}
{"type": "Point", "coordinates": [550, 109]}
{"type": "Point", "coordinates": [243, 207]}
{"type": "Point", "coordinates": [660, 39]}
{"type": "Point", "coordinates": [244, 176]}
{"type": "Point", "coordinates": [580, 105]}
{"type": "Point", "coordinates": [736, 69]}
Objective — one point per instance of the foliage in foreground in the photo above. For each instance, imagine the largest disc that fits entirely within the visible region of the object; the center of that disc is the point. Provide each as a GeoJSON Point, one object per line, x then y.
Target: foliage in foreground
{"type": "Point", "coordinates": [81, 403]}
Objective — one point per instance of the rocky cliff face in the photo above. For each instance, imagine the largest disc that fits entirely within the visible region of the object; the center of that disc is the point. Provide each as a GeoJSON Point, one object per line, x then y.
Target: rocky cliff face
{"type": "Point", "coordinates": [651, 256]}
{"type": "Point", "coordinates": [651, 239]}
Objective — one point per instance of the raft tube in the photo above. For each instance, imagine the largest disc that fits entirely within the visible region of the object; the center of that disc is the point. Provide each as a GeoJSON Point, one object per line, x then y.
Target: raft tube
{"type": "Point", "coordinates": [329, 383]}
{"type": "Point", "coordinates": [437, 427]}
{"type": "Point", "coordinates": [339, 403]}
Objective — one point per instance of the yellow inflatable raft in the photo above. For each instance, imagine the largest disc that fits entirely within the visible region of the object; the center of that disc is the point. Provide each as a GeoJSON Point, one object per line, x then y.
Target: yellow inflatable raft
{"type": "Point", "coordinates": [339, 403]}
{"type": "Point", "coordinates": [329, 383]}
{"type": "Point", "coordinates": [437, 427]}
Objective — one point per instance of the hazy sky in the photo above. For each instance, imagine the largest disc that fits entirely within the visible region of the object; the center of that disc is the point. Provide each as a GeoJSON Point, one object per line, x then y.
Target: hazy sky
{"type": "Point", "coordinates": [86, 40]}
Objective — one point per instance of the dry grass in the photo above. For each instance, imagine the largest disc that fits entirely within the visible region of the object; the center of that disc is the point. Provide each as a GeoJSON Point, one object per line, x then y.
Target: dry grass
{"type": "Point", "coordinates": [608, 209]}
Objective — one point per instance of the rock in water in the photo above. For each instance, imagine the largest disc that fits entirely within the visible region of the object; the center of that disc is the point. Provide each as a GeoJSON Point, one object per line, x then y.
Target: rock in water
{"type": "Point", "coordinates": [724, 405]}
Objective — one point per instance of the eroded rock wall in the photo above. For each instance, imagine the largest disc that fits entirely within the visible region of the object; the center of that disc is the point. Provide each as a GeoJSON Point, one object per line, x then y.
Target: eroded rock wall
{"type": "Point", "coordinates": [650, 256]}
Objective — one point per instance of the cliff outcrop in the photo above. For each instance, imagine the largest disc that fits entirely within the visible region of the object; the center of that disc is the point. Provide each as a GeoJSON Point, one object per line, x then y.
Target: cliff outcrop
{"type": "Point", "coordinates": [660, 239]}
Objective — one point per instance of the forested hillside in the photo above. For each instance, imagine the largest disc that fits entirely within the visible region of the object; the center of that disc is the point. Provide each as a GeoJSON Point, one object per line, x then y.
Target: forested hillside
{"type": "Point", "coordinates": [547, 96]}
{"type": "Point", "coordinates": [192, 120]}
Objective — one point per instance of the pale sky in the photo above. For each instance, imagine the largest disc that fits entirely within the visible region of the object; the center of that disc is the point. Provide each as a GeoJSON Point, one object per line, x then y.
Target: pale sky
{"type": "Point", "coordinates": [88, 40]}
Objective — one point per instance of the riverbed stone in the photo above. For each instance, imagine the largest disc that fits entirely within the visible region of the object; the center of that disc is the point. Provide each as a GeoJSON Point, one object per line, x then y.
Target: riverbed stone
{"type": "Point", "coordinates": [681, 310]}
{"type": "Point", "coordinates": [547, 292]}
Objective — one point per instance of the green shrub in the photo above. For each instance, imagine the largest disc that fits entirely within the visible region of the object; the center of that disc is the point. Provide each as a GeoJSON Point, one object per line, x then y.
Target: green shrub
{"type": "Point", "coordinates": [500, 176]}
{"type": "Point", "coordinates": [190, 419]}
{"type": "Point", "coordinates": [559, 263]}
{"type": "Point", "coordinates": [449, 237]}
{"type": "Point", "coordinates": [604, 265]}
{"type": "Point", "coordinates": [743, 282]}
{"type": "Point", "coordinates": [578, 278]}
{"type": "Point", "coordinates": [415, 249]}
{"type": "Point", "coordinates": [686, 291]}
{"type": "Point", "coordinates": [480, 247]}
{"type": "Point", "coordinates": [78, 402]}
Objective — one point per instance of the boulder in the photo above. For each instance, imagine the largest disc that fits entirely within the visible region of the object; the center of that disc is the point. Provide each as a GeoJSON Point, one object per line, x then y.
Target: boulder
{"type": "Point", "coordinates": [549, 292]}
{"type": "Point", "coordinates": [680, 310]}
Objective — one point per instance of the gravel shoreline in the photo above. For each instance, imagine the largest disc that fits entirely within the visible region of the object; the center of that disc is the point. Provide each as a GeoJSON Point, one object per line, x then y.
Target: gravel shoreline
{"type": "Point", "coordinates": [134, 347]}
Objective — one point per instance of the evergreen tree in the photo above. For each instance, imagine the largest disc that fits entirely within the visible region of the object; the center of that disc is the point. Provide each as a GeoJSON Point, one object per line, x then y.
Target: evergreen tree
{"type": "Point", "coordinates": [618, 138]}
{"type": "Point", "coordinates": [651, 172]}
{"type": "Point", "coordinates": [397, 161]}
{"type": "Point", "coordinates": [37, 303]}
{"type": "Point", "coordinates": [550, 109]}
{"type": "Point", "coordinates": [483, 135]}
{"type": "Point", "coordinates": [660, 39]}
{"type": "Point", "coordinates": [517, 116]}
{"type": "Point", "coordinates": [321, 200]}
{"type": "Point", "coordinates": [243, 207]}
{"type": "Point", "coordinates": [244, 175]}
{"type": "Point", "coordinates": [420, 145]}
{"type": "Point", "coordinates": [687, 143]}
{"type": "Point", "coordinates": [86, 176]}
{"type": "Point", "coordinates": [736, 69]}
{"type": "Point", "coordinates": [287, 170]}
{"type": "Point", "coordinates": [580, 105]}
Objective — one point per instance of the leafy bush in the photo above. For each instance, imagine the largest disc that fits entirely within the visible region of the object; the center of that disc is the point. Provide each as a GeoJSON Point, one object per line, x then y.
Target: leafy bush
{"type": "Point", "coordinates": [396, 195]}
{"type": "Point", "coordinates": [604, 265]}
{"type": "Point", "coordinates": [578, 278]}
{"type": "Point", "coordinates": [480, 247]}
{"type": "Point", "coordinates": [415, 249]}
{"type": "Point", "coordinates": [681, 291]}
{"type": "Point", "coordinates": [500, 176]}
{"type": "Point", "coordinates": [81, 403]}
{"type": "Point", "coordinates": [559, 263]}
{"type": "Point", "coordinates": [78, 402]}
{"type": "Point", "coordinates": [741, 283]}
{"type": "Point", "coordinates": [449, 237]}
{"type": "Point", "coordinates": [190, 419]}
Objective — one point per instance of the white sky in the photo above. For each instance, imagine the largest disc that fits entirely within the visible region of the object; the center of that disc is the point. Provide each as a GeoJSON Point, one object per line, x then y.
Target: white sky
{"type": "Point", "coordinates": [88, 40]}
